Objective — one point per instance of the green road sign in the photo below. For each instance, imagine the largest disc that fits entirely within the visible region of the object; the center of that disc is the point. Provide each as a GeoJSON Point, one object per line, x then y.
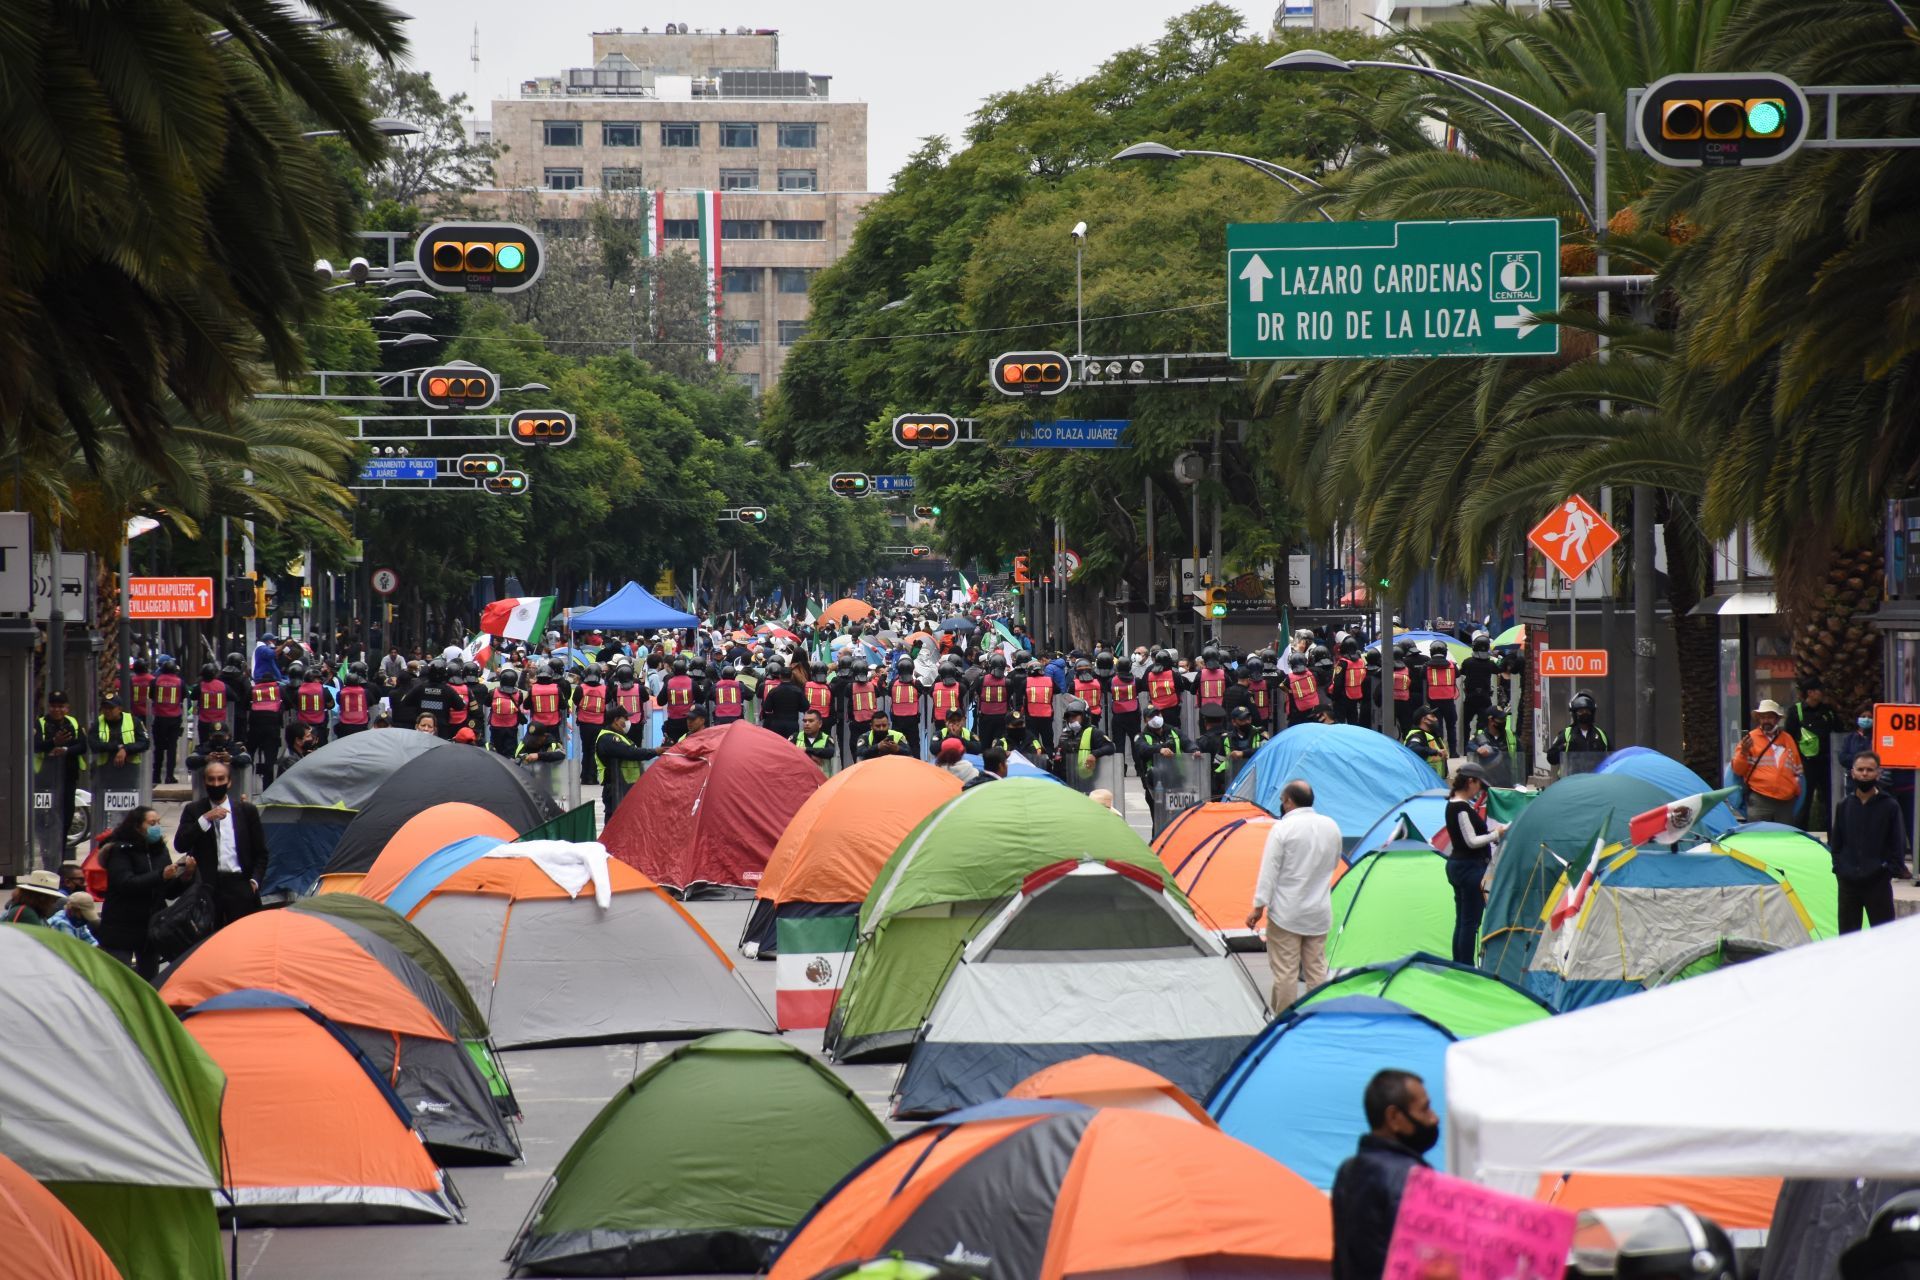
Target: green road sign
{"type": "Point", "coordinates": [1377, 290]}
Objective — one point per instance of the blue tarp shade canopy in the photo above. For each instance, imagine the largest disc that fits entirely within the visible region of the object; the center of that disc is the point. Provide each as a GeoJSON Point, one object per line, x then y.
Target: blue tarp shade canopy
{"type": "Point", "coordinates": [631, 608]}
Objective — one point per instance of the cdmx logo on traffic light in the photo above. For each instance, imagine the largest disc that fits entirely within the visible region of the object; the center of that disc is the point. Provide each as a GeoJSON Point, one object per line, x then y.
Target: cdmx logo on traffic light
{"type": "Point", "coordinates": [851, 484]}
{"type": "Point", "coordinates": [925, 431]}
{"type": "Point", "coordinates": [481, 466]}
{"type": "Point", "coordinates": [1030, 373]}
{"type": "Point", "coordinates": [532, 427]}
{"type": "Point", "coordinates": [458, 387]}
{"type": "Point", "coordinates": [751, 515]}
{"type": "Point", "coordinates": [486, 257]}
{"type": "Point", "coordinates": [507, 482]}
{"type": "Point", "coordinates": [1728, 119]}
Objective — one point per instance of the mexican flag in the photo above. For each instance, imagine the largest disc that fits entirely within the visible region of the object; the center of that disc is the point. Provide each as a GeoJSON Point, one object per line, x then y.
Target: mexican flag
{"type": "Point", "coordinates": [1670, 822]}
{"type": "Point", "coordinates": [1576, 897]}
{"type": "Point", "coordinates": [973, 592]}
{"type": "Point", "coordinates": [815, 951]}
{"type": "Point", "coordinates": [517, 617]}
{"type": "Point", "coordinates": [479, 649]}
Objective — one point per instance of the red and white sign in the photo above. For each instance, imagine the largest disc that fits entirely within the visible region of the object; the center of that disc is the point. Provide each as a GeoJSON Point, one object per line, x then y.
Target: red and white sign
{"type": "Point", "coordinates": [169, 597]}
{"type": "Point", "coordinates": [1067, 563]}
{"type": "Point", "coordinates": [386, 581]}
{"type": "Point", "coordinates": [1573, 662]}
{"type": "Point", "coordinates": [1574, 537]}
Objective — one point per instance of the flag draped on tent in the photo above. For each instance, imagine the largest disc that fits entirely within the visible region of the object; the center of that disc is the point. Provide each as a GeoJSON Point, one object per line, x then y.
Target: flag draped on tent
{"type": "Point", "coordinates": [1668, 823]}
{"type": "Point", "coordinates": [517, 617]}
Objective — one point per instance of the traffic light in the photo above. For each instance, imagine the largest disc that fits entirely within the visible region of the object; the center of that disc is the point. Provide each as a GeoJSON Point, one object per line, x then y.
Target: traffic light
{"type": "Point", "coordinates": [490, 257]}
{"type": "Point", "coordinates": [925, 512]}
{"type": "Point", "coordinates": [851, 484]}
{"type": "Point", "coordinates": [1216, 599]}
{"type": "Point", "coordinates": [1727, 119]}
{"type": "Point", "coordinates": [507, 482]}
{"type": "Point", "coordinates": [919, 553]}
{"type": "Point", "coordinates": [240, 591]}
{"type": "Point", "coordinates": [1021, 574]}
{"type": "Point", "coordinates": [261, 608]}
{"type": "Point", "coordinates": [306, 597]}
{"type": "Point", "coordinates": [458, 386]}
{"type": "Point", "coordinates": [481, 466]}
{"type": "Point", "coordinates": [541, 426]}
{"type": "Point", "coordinates": [1030, 373]}
{"type": "Point", "coordinates": [752, 515]}
{"type": "Point", "coordinates": [925, 431]}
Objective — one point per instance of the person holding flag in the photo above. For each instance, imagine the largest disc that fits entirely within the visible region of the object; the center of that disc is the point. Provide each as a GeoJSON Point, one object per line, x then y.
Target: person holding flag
{"type": "Point", "coordinates": [1471, 839]}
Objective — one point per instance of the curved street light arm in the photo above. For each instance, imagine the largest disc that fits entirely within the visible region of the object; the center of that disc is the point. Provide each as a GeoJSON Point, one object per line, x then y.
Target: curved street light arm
{"type": "Point", "coordinates": [1468, 84]}
{"type": "Point", "coordinates": [1278, 172]}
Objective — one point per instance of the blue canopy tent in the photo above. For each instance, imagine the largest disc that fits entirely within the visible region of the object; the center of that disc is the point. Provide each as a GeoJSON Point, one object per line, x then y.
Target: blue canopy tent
{"type": "Point", "coordinates": [1672, 777]}
{"type": "Point", "coordinates": [1357, 775]}
{"type": "Point", "coordinates": [632, 608]}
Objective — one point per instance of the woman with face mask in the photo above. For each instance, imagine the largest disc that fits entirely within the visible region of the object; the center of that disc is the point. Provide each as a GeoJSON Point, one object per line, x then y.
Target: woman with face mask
{"type": "Point", "coordinates": [141, 877]}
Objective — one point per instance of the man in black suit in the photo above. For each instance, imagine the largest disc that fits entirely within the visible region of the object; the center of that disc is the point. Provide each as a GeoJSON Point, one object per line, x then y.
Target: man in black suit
{"type": "Point", "coordinates": [225, 836]}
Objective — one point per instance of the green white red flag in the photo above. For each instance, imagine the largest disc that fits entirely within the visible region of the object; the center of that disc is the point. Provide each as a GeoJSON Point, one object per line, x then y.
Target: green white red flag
{"type": "Point", "coordinates": [1670, 822]}
{"type": "Point", "coordinates": [517, 617]}
{"type": "Point", "coordinates": [815, 951]}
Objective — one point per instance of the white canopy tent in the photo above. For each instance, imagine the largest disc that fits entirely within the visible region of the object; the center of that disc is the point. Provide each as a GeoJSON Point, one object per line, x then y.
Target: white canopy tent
{"type": "Point", "coordinates": [1779, 1066]}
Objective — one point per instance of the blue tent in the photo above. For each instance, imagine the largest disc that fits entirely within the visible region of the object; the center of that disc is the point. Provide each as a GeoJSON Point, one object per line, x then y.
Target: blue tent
{"type": "Point", "coordinates": [1357, 775]}
{"type": "Point", "coordinates": [1424, 813]}
{"type": "Point", "coordinates": [631, 608]}
{"type": "Point", "coordinates": [1672, 777]}
{"type": "Point", "coordinates": [1296, 1092]}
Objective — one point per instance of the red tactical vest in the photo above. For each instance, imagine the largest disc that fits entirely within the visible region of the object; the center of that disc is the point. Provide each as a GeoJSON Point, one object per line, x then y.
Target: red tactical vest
{"type": "Point", "coordinates": [679, 691]}
{"type": "Point", "coordinates": [1126, 694]}
{"type": "Point", "coordinates": [544, 699]}
{"type": "Point", "coordinates": [726, 700]}
{"type": "Point", "coordinates": [1088, 691]}
{"type": "Point", "coordinates": [1163, 689]}
{"type": "Point", "coordinates": [1304, 692]}
{"type": "Point", "coordinates": [142, 695]}
{"type": "Point", "coordinates": [1039, 698]}
{"type": "Point", "coordinates": [1402, 685]}
{"type": "Point", "coordinates": [905, 697]}
{"type": "Point", "coordinates": [1213, 687]}
{"type": "Point", "coordinates": [1257, 689]}
{"type": "Point", "coordinates": [946, 698]}
{"type": "Point", "coordinates": [866, 699]}
{"type": "Point", "coordinates": [1356, 681]}
{"type": "Point", "coordinates": [310, 701]}
{"type": "Point", "coordinates": [506, 709]}
{"type": "Point", "coordinates": [629, 696]}
{"type": "Point", "coordinates": [266, 698]}
{"type": "Point", "coordinates": [1440, 682]}
{"type": "Point", "coordinates": [166, 697]}
{"type": "Point", "coordinates": [456, 704]}
{"type": "Point", "coordinates": [592, 706]}
{"type": "Point", "coordinates": [820, 698]}
{"type": "Point", "coordinates": [993, 696]}
{"type": "Point", "coordinates": [353, 704]}
{"type": "Point", "coordinates": [213, 702]}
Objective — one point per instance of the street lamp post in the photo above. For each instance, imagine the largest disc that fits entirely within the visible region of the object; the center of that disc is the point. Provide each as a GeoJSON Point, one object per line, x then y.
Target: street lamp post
{"type": "Point", "coordinates": [1278, 172]}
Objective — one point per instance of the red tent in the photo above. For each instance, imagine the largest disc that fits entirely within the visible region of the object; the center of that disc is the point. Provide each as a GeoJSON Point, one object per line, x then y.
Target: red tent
{"type": "Point", "coordinates": [708, 812]}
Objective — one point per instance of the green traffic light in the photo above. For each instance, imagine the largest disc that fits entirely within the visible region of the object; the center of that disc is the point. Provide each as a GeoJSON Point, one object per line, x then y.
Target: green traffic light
{"type": "Point", "coordinates": [510, 257]}
{"type": "Point", "coordinates": [1217, 611]}
{"type": "Point", "coordinates": [936, 511]}
{"type": "Point", "coordinates": [1764, 116]}
{"type": "Point", "coordinates": [1386, 582]}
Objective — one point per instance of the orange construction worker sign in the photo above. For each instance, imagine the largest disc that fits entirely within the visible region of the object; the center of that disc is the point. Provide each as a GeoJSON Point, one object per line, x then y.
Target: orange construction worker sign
{"type": "Point", "coordinates": [1574, 537]}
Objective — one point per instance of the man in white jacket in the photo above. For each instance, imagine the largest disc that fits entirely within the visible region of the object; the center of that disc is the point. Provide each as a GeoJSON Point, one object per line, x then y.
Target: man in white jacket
{"type": "Point", "coordinates": [1295, 892]}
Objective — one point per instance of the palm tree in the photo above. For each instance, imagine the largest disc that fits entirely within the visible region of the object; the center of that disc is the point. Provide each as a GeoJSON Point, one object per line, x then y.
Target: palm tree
{"type": "Point", "coordinates": [162, 211]}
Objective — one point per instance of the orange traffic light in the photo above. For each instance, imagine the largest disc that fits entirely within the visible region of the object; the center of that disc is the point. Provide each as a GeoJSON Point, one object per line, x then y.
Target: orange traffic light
{"type": "Point", "coordinates": [541, 427]}
{"type": "Point", "coordinates": [925, 431]}
{"type": "Point", "coordinates": [1030, 373]}
{"type": "Point", "coordinates": [458, 387]}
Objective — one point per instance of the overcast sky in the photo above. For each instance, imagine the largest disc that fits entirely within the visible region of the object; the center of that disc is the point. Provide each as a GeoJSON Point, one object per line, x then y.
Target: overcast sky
{"type": "Point", "coordinates": [922, 68]}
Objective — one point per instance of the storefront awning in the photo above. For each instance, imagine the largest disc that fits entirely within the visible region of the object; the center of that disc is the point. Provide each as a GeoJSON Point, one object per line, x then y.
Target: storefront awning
{"type": "Point", "coordinates": [1737, 602]}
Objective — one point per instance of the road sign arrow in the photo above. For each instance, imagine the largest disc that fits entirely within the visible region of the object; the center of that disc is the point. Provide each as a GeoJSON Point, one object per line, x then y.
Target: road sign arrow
{"type": "Point", "coordinates": [1522, 322]}
{"type": "Point", "coordinates": [203, 597]}
{"type": "Point", "coordinates": [1256, 274]}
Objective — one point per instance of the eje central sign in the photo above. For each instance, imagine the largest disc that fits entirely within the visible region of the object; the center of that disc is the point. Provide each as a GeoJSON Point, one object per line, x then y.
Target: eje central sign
{"type": "Point", "coordinates": [1381, 290]}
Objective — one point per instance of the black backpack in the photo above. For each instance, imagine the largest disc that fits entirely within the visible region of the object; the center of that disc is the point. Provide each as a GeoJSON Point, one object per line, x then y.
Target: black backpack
{"type": "Point", "coordinates": [183, 922]}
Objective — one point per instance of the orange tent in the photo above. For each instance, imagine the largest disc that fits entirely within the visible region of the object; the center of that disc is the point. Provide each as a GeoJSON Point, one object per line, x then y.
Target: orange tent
{"type": "Point", "coordinates": [311, 1132]}
{"type": "Point", "coordinates": [1734, 1203]}
{"type": "Point", "coordinates": [847, 609]}
{"type": "Point", "coordinates": [44, 1240]}
{"type": "Point", "coordinates": [426, 832]}
{"type": "Point", "coordinates": [1118, 1190]}
{"type": "Point", "coordinates": [1212, 851]}
{"type": "Point", "coordinates": [1099, 1080]}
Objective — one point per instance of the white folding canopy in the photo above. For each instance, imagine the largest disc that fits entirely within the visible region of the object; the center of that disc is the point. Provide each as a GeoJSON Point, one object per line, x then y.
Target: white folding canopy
{"type": "Point", "coordinates": [1774, 1067]}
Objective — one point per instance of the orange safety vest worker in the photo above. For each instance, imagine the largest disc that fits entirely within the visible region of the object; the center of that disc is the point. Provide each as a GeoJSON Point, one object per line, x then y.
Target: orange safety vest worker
{"type": "Point", "coordinates": [946, 699]}
{"type": "Point", "coordinates": [1213, 687]}
{"type": "Point", "coordinates": [629, 696]}
{"type": "Point", "coordinates": [142, 695]}
{"type": "Point", "coordinates": [1126, 694]}
{"type": "Point", "coordinates": [266, 698]}
{"type": "Point", "coordinates": [166, 697]}
{"type": "Point", "coordinates": [820, 698]}
{"type": "Point", "coordinates": [506, 709]}
{"type": "Point", "coordinates": [1039, 697]}
{"type": "Point", "coordinates": [1258, 691]}
{"type": "Point", "coordinates": [993, 696]}
{"type": "Point", "coordinates": [1440, 682]}
{"type": "Point", "coordinates": [310, 703]}
{"type": "Point", "coordinates": [679, 691]}
{"type": "Point", "coordinates": [592, 707]}
{"type": "Point", "coordinates": [866, 700]}
{"type": "Point", "coordinates": [1402, 685]}
{"type": "Point", "coordinates": [456, 704]}
{"type": "Point", "coordinates": [1356, 677]}
{"type": "Point", "coordinates": [1088, 691]}
{"type": "Point", "coordinates": [213, 702]}
{"type": "Point", "coordinates": [544, 699]}
{"type": "Point", "coordinates": [726, 700]}
{"type": "Point", "coordinates": [1304, 692]}
{"type": "Point", "coordinates": [1163, 689]}
{"type": "Point", "coordinates": [353, 704]}
{"type": "Point", "coordinates": [905, 697]}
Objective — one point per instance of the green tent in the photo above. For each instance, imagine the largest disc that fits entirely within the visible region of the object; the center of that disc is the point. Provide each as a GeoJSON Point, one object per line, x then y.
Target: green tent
{"type": "Point", "coordinates": [1391, 901]}
{"type": "Point", "coordinates": [1553, 836]}
{"type": "Point", "coordinates": [947, 879]}
{"type": "Point", "coordinates": [109, 1103]}
{"type": "Point", "coordinates": [1459, 997]}
{"type": "Point", "coordinates": [1801, 861]}
{"type": "Point", "coordinates": [380, 919]}
{"type": "Point", "coordinates": [701, 1164]}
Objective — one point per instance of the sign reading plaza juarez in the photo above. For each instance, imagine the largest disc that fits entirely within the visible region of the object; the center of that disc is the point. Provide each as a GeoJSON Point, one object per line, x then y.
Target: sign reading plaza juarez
{"type": "Point", "coordinates": [1378, 290]}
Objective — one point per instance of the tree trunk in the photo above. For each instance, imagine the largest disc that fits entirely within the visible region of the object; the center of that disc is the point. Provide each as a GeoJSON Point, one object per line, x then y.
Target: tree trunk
{"type": "Point", "coordinates": [1831, 636]}
{"type": "Point", "coordinates": [1696, 642]}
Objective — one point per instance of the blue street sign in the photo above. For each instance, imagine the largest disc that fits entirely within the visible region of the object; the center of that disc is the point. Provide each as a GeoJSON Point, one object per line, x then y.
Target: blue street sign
{"type": "Point", "coordinates": [399, 469]}
{"type": "Point", "coordinates": [893, 484]}
{"type": "Point", "coordinates": [1075, 433]}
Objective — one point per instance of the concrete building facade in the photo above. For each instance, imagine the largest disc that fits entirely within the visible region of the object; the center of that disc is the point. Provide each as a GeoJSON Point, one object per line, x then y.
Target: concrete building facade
{"type": "Point", "coordinates": [1376, 17]}
{"type": "Point", "coordinates": [682, 112]}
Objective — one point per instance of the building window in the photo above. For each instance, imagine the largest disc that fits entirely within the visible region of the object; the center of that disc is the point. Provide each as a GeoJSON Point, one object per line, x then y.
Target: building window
{"type": "Point", "coordinates": [742, 228]}
{"type": "Point", "coordinates": [680, 135]}
{"type": "Point", "coordinates": [680, 228]}
{"type": "Point", "coordinates": [739, 135]}
{"type": "Point", "coordinates": [799, 179]}
{"type": "Point", "coordinates": [739, 179]}
{"type": "Point", "coordinates": [799, 230]}
{"type": "Point", "coordinates": [621, 179]}
{"type": "Point", "coordinates": [563, 179]}
{"type": "Point", "coordinates": [751, 381]}
{"type": "Point", "coordinates": [562, 133]}
{"type": "Point", "coordinates": [619, 134]}
{"type": "Point", "coordinates": [739, 279]}
{"type": "Point", "coordinates": [792, 331]}
{"type": "Point", "coordinates": [800, 136]}
{"type": "Point", "coordinates": [743, 333]}
{"type": "Point", "coordinates": [793, 279]}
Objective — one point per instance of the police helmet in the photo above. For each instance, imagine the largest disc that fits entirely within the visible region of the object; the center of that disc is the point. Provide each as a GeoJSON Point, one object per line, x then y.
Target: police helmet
{"type": "Point", "coordinates": [1296, 661]}
{"type": "Point", "coordinates": [776, 665]}
{"type": "Point", "coordinates": [168, 667]}
{"type": "Point", "coordinates": [1319, 653]}
{"type": "Point", "coordinates": [437, 670]}
{"type": "Point", "coordinates": [556, 668]}
{"type": "Point", "coordinates": [1675, 1243]}
{"type": "Point", "coordinates": [295, 670]}
{"type": "Point", "coordinates": [232, 660]}
{"type": "Point", "coordinates": [1891, 1246]}
{"type": "Point", "coordinates": [1211, 655]}
{"type": "Point", "coordinates": [593, 675]}
{"type": "Point", "coordinates": [1373, 659]}
{"type": "Point", "coordinates": [1076, 706]}
{"type": "Point", "coordinates": [679, 666]}
{"type": "Point", "coordinates": [1103, 662]}
{"type": "Point", "coordinates": [1404, 649]}
{"type": "Point", "coordinates": [139, 666]}
{"type": "Point", "coordinates": [209, 672]}
{"type": "Point", "coordinates": [903, 666]}
{"type": "Point", "coordinates": [1438, 648]}
{"type": "Point", "coordinates": [1255, 667]}
{"type": "Point", "coordinates": [728, 673]}
{"type": "Point", "coordinates": [1581, 701]}
{"type": "Point", "coordinates": [353, 677]}
{"type": "Point", "coordinates": [509, 679]}
{"type": "Point", "coordinates": [845, 660]}
{"type": "Point", "coordinates": [860, 668]}
{"type": "Point", "coordinates": [1482, 642]}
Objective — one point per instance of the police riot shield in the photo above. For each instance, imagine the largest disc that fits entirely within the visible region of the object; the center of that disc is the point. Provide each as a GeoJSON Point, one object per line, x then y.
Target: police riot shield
{"type": "Point", "coordinates": [1499, 768]}
{"type": "Point", "coordinates": [1085, 772]}
{"type": "Point", "coordinates": [1573, 762]}
{"type": "Point", "coordinates": [1176, 783]}
{"type": "Point", "coordinates": [48, 824]}
{"type": "Point", "coordinates": [559, 780]}
{"type": "Point", "coordinates": [118, 789]}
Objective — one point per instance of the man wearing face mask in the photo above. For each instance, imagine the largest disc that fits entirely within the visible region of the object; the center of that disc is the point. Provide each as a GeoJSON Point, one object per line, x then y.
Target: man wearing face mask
{"type": "Point", "coordinates": [1869, 847]}
{"type": "Point", "coordinates": [1366, 1190]}
{"type": "Point", "coordinates": [222, 834]}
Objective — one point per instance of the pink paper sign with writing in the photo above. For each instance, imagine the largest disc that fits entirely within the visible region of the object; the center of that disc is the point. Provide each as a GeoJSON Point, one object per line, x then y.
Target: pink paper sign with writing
{"type": "Point", "coordinates": [1452, 1229]}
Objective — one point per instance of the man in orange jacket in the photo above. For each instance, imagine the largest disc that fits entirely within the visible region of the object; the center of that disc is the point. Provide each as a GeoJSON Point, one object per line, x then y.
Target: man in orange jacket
{"type": "Point", "coordinates": [1768, 762]}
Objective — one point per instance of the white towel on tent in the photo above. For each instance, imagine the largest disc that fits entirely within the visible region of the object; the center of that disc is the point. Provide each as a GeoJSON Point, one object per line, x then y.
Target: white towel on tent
{"type": "Point", "coordinates": [571, 865]}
